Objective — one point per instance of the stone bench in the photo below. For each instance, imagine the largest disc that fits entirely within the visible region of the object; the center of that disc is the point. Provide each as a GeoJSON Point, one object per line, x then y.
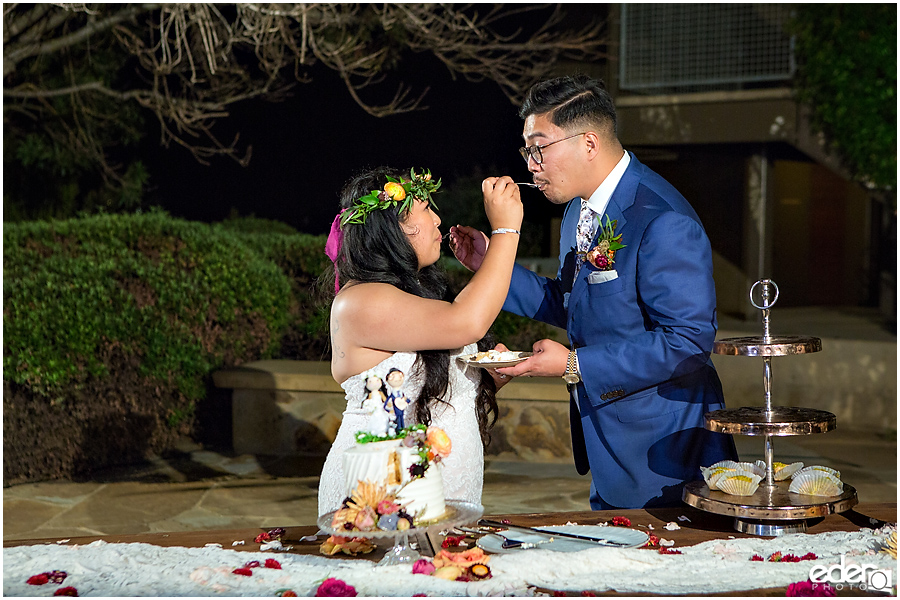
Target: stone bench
{"type": "Point", "coordinates": [288, 407]}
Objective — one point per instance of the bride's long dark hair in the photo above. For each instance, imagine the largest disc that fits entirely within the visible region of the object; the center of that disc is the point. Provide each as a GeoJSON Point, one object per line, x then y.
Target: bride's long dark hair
{"type": "Point", "coordinates": [380, 252]}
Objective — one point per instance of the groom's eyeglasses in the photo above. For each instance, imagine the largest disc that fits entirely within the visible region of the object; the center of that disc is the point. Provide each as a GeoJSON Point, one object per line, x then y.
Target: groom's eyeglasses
{"type": "Point", "coordinates": [534, 152]}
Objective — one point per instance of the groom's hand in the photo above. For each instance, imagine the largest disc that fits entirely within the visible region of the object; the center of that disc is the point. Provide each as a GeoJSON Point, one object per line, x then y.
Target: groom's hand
{"type": "Point", "coordinates": [549, 360]}
{"type": "Point", "coordinates": [469, 246]}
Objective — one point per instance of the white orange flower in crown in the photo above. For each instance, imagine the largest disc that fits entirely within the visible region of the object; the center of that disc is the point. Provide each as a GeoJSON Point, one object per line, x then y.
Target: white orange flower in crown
{"type": "Point", "coordinates": [438, 442]}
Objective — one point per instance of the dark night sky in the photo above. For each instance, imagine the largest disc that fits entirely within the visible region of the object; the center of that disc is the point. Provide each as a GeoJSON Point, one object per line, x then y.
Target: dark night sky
{"type": "Point", "coordinates": [306, 147]}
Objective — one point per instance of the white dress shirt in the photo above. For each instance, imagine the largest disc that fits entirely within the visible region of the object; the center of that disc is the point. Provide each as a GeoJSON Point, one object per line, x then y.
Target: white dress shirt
{"type": "Point", "coordinates": [600, 199]}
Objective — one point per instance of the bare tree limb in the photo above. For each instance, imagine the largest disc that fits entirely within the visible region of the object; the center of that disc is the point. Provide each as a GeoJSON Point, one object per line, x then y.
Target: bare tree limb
{"type": "Point", "coordinates": [53, 45]}
{"type": "Point", "coordinates": [188, 62]}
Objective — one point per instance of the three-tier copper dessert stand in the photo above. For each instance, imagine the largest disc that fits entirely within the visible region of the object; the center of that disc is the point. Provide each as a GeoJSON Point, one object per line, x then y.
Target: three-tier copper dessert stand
{"type": "Point", "coordinates": [772, 510]}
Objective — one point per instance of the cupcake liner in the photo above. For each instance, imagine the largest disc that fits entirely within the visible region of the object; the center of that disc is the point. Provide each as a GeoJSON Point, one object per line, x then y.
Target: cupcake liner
{"type": "Point", "coordinates": [828, 470]}
{"type": "Point", "coordinates": [782, 471]}
{"type": "Point", "coordinates": [740, 485]}
{"type": "Point", "coordinates": [716, 481]}
{"type": "Point", "coordinates": [816, 483]}
{"type": "Point", "coordinates": [710, 475]}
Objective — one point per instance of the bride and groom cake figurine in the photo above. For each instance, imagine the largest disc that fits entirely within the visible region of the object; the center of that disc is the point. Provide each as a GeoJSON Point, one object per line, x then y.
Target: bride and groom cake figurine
{"type": "Point", "coordinates": [385, 403]}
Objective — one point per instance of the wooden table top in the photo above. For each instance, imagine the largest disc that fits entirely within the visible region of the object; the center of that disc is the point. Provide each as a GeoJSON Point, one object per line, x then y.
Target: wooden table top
{"type": "Point", "coordinates": [701, 527]}
{"type": "Point", "coordinates": [698, 527]}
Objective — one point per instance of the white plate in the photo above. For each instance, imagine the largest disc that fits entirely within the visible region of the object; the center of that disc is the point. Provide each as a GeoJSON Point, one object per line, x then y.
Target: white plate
{"type": "Point", "coordinates": [507, 359]}
{"type": "Point", "coordinates": [630, 538]}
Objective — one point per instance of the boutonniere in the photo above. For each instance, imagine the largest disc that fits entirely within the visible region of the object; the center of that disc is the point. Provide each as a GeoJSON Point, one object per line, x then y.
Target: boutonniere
{"type": "Point", "coordinates": [603, 255]}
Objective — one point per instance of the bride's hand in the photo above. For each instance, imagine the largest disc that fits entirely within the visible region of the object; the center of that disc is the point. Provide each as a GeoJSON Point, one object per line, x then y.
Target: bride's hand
{"type": "Point", "coordinates": [499, 378]}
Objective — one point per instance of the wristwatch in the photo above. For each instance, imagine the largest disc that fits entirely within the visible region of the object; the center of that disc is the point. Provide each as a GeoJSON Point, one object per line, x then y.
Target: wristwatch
{"type": "Point", "coordinates": [571, 375]}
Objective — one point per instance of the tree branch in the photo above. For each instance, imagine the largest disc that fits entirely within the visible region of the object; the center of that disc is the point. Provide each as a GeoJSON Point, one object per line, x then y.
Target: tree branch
{"type": "Point", "coordinates": [32, 49]}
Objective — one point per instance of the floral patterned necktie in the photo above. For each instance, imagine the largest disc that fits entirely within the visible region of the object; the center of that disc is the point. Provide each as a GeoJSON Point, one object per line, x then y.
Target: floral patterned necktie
{"type": "Point", "coordinates": [584, 233]}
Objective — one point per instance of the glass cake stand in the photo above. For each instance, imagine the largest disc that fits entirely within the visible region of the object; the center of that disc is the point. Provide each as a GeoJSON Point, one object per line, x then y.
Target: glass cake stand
{"type": "Point", "coordinates": [459, 512]}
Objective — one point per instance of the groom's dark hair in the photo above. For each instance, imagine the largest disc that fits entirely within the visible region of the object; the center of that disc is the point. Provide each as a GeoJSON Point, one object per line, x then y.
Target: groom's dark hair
{"type": "Point", "coordinates": [572, 100]}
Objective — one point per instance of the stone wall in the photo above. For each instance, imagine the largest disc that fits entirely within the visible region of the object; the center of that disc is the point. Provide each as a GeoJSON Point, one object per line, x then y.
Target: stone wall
{"type": "Point", "coordinates": [856, 380]}
{"type": "Point", "coordinates": [282, 407]}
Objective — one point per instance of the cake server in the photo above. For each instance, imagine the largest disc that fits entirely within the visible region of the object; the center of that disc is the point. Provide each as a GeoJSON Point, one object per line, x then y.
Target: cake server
{"type": "Point", "coordinates": [570, 536]}
{"type": "Point", "coordinates": [508, 542]}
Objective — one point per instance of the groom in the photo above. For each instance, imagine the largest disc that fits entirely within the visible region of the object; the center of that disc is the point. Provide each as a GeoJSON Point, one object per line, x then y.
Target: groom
{"type": "Point", "coordinates": [635, 293]}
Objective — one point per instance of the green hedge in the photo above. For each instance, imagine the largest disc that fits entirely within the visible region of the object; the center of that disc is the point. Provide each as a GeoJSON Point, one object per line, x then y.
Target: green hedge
{"type": "Point", "coordinates": [112, 325]}
{"type": "Point", "coordinates": [301, 257]}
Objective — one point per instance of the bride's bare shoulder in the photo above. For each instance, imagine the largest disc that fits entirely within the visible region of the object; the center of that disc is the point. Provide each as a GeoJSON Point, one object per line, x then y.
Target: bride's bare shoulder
{"type": "Point", "coordinates": [353, 297]}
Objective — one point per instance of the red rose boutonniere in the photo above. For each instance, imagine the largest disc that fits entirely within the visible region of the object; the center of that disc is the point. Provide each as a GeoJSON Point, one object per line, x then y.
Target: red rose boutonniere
{"type": "Point", "coordinates": [603, 255]}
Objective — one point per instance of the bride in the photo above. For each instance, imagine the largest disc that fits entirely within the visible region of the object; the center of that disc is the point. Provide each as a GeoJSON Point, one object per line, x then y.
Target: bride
{"type": "Point", "coordinates": [390, 311]}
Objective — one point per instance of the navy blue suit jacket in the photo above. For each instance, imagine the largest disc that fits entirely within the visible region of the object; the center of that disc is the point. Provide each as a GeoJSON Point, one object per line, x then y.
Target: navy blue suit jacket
{"type": "Point", "coordinates": [643, 334]}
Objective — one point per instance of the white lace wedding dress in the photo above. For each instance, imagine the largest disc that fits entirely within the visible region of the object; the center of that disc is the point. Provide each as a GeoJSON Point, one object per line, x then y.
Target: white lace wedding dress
{"type": "Point", "coordinates": [463, 469]}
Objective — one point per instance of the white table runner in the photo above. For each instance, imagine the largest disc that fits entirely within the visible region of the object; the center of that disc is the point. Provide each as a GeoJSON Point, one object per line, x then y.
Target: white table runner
{"type": "Point", "coordinates": [718, 566]}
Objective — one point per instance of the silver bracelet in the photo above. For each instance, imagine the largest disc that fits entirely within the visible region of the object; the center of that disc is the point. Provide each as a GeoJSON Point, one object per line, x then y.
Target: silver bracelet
{"type": "Point", "coordinates": [504, 230]}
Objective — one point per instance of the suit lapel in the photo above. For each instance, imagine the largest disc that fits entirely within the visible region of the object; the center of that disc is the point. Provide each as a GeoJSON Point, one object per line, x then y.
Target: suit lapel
{"type": "Point", "coordinates": [622, 198]}
{"type": "Point", "coordinates": [567, 242]}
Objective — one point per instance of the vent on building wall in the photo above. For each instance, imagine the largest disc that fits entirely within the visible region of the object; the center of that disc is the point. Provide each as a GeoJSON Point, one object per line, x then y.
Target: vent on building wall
{"type": "Point", "coordinates": [681, 48]}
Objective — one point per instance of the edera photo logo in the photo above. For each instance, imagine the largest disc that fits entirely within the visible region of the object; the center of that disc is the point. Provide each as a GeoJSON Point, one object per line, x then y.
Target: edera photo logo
{"type": "Point", "coordinates": [865, 577]}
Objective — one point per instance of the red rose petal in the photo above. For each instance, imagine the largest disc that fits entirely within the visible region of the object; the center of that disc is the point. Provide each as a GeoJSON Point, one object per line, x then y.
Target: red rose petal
{"type": "Point", "coordinates": [452, 541]}
{"type": "Point", "coordinates": [38, 579]}
{"type": "Point", "coordinates": [271, 563]}
{"type": "Point", "coordinates": [242, 571]}
{"type": "Point", "coordinates": [66, 591]}
{"type": "Point", "coordinates": [809, 556]}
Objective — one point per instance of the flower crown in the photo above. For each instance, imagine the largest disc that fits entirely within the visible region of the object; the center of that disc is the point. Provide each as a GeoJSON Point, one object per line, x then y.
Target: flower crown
{"type": "Point", "coordinates": [396, 194]}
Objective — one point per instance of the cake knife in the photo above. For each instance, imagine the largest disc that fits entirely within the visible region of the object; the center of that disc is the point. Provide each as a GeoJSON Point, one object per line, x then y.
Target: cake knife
{"type": "Point", "coordinates": [573, 536]}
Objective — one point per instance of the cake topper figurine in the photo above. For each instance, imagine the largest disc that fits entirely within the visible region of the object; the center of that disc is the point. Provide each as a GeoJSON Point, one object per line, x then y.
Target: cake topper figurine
{"type": "Point", "coordinates": [397, 399]}
{"type": "Point", "coordinates": [379, 423]}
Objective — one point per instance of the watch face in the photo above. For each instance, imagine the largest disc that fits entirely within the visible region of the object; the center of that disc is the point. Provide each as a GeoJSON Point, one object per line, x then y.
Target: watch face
{"type": "Point", "coordinates": [571, 378]}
